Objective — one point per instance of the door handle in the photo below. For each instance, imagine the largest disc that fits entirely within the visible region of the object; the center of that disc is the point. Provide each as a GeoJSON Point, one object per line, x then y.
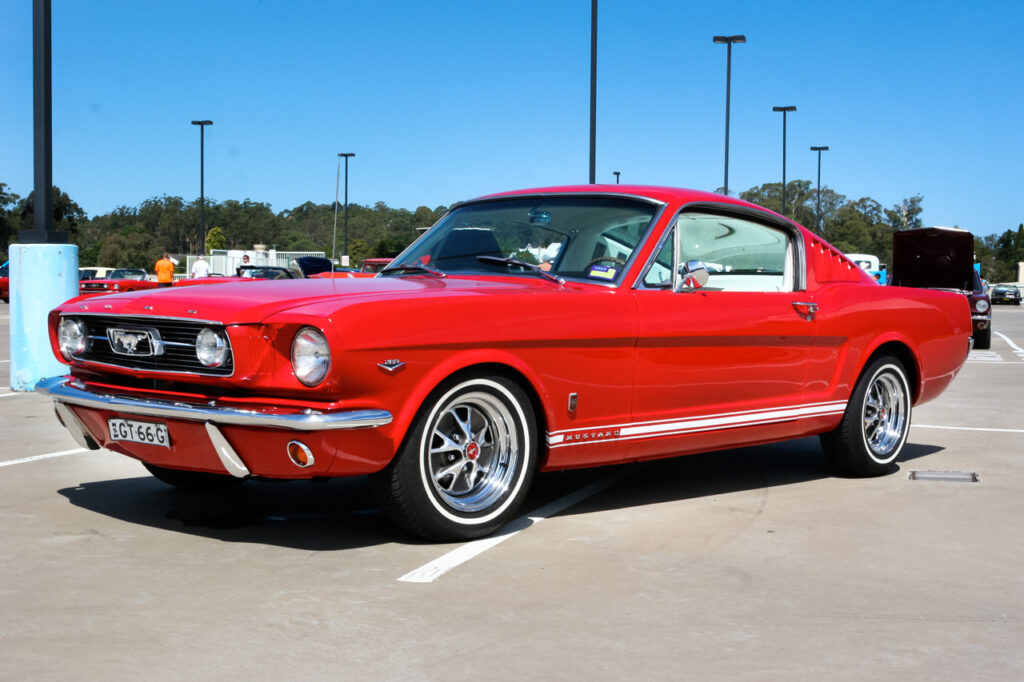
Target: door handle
{"type": "Point", "coordinates": [807, 309]}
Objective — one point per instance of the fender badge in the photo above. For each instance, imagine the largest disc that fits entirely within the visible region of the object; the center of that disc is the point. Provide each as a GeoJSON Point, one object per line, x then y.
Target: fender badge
{"type": "Point", "coordinates": [391, 365]}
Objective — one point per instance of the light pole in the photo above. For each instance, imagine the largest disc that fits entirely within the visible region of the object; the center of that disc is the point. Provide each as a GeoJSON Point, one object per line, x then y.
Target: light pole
{"type": "Point", "coordinates": [340, 155]}
{"type": "Point", "coordinates": [821, 226]}
{"type": "Point", "coordinates": [202, 192]}
{"type": "Point", "coordinates": [728, 40]}
{"type": "Point", "coordinates": [593, 91]}
{"type": "Point", "coordinates": [337, 185]}
{"type": "Point", "coordinates": [616, 174]}
{"type": "Point", "coordinates": [784, 110]}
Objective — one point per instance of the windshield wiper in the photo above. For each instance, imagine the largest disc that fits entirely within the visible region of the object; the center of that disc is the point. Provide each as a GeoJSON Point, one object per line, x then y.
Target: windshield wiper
{"type": "Point", "coordinates": [529, 266]}
{"type": "Point", "coordinates": [413, 267]}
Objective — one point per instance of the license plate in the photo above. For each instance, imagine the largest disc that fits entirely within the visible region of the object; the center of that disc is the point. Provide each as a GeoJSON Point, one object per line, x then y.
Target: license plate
{"type": "Point", "coordinates": [150, 433]}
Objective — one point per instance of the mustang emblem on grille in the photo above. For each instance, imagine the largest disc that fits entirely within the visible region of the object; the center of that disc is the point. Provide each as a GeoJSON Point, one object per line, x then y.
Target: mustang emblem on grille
{"type": "Point", "coordinates": [127, 341]}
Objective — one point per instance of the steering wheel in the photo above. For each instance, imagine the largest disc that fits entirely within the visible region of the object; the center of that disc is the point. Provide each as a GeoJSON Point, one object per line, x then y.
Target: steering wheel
{"type": "Point", "coordinates": [604, 259]}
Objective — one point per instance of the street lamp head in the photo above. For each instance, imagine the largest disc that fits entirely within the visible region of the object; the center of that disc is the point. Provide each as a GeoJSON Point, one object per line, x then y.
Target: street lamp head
{"type": "Point", "coordinates": [819, 149]}
{"type": "Point", "coordinates": [722, 40]}
{"type": "Point", "coordinates": [202, 123]}
{"type": "Point", "coordinates": [345, 154]}
{"type": "Point", "coordinates": [791, 108]}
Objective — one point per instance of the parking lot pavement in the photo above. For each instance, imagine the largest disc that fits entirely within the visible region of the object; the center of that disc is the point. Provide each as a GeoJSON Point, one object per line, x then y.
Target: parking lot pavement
{"type": "Point", "coordinates": [747, 564]}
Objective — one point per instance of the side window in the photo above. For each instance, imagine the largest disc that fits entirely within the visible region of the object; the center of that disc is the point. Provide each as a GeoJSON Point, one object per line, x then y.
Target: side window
{"type": "Point", "coordinates": [740, 255]}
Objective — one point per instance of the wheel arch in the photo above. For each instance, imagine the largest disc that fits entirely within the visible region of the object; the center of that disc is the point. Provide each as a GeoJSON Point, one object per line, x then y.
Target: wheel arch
{"type": "Point", "coordinates": [447, 376]}
{"type": "Point", "coordinates": [902, 352]}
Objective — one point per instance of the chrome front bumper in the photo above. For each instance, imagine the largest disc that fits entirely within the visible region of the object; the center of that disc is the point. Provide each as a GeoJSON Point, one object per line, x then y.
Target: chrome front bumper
{"type": "Point", "coordinates": [68, 391]}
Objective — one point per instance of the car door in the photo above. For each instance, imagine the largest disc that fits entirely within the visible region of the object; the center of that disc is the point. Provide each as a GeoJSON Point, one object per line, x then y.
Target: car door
{"type": "Point", "coordinates": [727, 363]}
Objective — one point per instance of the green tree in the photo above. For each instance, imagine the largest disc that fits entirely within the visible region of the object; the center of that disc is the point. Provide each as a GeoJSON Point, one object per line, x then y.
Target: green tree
{"type": "Point", "coordinates": [133, 249]}
{"type": "Point", "coordinates": [215, 239]}
{"type": "Point", "coordinates": [358, 251]}
{"type": "Point", "coordinates": [66, 213]}
{"type": "Point", "coordinates": [907, 214]}
{"type": "Point", "coordinates": [800, 200]}
{"type": "Point", "coordinates": [7, 221]}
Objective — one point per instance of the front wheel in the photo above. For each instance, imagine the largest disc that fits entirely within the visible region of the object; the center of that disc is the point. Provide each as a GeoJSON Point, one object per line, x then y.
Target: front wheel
{"type": "Point", "coordinates": [875, 425]}
{"type": "Point", "coordinates": [983, 339]}
{"type": "Point", "coordinates": [467, 463]}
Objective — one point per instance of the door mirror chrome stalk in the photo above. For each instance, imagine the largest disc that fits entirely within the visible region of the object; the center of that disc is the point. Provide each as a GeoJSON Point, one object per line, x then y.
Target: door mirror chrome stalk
{"type": "Point", "coordinates": [693, 275]}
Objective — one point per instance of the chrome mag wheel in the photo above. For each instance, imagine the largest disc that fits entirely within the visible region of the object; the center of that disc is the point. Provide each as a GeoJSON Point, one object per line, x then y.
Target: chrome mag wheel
{"type": "Point", "coordinates": [875, 425]}
{"type": "Point", "coordinates": [885, 413]}
{"type": "Point", "coordinates": [472, 451]}
{"type": "Point", "coordinates": [467, 463]}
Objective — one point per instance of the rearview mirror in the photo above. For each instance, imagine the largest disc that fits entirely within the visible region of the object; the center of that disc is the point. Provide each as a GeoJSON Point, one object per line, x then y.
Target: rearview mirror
{"type": "Point", "coordinates": [693, 275]}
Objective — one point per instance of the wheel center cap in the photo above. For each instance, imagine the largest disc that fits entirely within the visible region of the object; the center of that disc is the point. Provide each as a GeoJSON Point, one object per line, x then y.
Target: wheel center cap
{"type": "Point", "coordinates": [472, 450]}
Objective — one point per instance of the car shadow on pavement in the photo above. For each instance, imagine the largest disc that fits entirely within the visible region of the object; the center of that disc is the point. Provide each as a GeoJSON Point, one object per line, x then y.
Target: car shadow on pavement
{"type": "Point", "coordinates": [308, 515]}
{"type": "Point", "coordinates": [340, 514]}
{"type": "Point", "coordinates": [717, 473]}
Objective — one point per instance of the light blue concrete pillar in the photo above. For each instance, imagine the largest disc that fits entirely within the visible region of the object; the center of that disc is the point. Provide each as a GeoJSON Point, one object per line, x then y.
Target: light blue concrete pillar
{"type": "Point", "coordinates": [42, 277]}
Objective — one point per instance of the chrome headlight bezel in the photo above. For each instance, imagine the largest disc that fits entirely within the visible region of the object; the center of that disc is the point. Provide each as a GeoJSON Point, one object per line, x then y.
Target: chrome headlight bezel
{"type": "Point", "coordinates": [310, 356]}
{"type": "Point", "coordinates": [981, 305]}
{"type": "Point", "coordinates": [72, 337]}
{"type": "Point", "coordinates": [212, 347]}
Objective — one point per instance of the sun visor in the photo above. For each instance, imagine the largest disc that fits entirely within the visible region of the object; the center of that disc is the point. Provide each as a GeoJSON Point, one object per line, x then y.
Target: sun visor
{"type": "Point", "coordinates": [934, 258]}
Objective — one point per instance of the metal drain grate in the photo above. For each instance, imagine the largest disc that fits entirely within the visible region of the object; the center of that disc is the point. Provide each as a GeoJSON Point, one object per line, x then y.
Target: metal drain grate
{"type": "Point", "coordinates": [949, 476]}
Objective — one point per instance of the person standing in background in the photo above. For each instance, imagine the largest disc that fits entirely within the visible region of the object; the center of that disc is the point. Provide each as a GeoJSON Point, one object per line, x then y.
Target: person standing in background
{"type": "Point", "coordinates": [200, 268]}
{"type": "Point", "coordinates": [164, 271]}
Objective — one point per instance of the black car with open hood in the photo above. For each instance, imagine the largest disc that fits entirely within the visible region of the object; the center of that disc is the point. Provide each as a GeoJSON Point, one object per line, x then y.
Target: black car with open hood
{"type": "Point", "coordinates": [943, 258]}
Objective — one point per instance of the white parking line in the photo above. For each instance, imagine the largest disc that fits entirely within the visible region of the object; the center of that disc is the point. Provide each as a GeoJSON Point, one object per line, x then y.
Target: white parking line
{"type": "Point", "coordinates": [23, 460]}
{"type": "Point", "coordinates": [428, 573]}
{"type": "Point", "coordinates": [967, 428]}
{"type": "Point", "coordinates": [1016, 349]}
{"type": "Point", "coordinates": [983, 356]}
{"type": "Point", "coordinates": [8, 395]}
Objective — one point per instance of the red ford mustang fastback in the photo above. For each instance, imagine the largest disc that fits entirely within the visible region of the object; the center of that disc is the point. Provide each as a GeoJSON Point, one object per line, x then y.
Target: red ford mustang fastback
{"type": "Point", "coordinates": [535, 330]}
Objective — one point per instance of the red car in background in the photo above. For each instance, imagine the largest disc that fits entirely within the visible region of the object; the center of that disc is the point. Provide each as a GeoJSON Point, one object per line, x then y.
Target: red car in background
{"type": "Point", "coordinates": [374, 265]}
{"type": "Point", "coordinates": [117, 281]}
{"type": "Point", "coordinates": [667, 322]}
{"type": "Point", "coordinates": [5, 283]}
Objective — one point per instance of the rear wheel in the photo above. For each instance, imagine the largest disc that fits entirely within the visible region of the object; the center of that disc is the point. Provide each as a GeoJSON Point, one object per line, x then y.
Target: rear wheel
{"type": "Point", "coordinates": [467, 463]}
{"type": "Point", "coordinates": [875, 425]}
{"type": "Point", "coordinates": [983, 339]}
{"type": "Point", "coordinates": [192, 480]}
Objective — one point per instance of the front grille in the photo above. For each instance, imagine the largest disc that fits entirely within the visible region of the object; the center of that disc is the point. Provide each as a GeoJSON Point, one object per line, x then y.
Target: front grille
{"type": "Point", "coordinates": [178, 339]}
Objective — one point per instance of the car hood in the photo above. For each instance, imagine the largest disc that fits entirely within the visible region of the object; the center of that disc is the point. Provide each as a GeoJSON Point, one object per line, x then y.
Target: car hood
{"type": "Point", "coordinates": [253, 302]}
{"type": "Point", "coordinates": [933, 258]}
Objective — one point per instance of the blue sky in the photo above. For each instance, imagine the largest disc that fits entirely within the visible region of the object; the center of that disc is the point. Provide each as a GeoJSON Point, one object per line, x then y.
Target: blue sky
{"type": "Point", "coordinates": [446, 100]}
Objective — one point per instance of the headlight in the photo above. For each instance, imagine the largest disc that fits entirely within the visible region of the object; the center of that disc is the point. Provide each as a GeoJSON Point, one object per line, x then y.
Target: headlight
{"type": "Point", "coordinates": [981, 306]}
{"type": "Point", "coordinates": [311, 356]}
{"type": "Point", "coordinates": [71, 337]}
{"type": "Point", "coordinates": [212, 347]}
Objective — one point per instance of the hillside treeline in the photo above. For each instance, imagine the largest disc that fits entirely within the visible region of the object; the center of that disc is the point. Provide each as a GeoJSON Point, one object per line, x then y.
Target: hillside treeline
{"type": "Point", "coordinates": [135, 236]}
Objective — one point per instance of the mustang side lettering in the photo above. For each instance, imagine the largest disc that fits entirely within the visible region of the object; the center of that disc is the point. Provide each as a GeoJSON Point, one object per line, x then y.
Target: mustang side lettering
{"type": "Point", "coordinates": [527, 331]}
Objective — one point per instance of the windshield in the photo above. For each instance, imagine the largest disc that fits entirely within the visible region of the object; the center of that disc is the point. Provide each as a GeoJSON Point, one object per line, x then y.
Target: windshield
{"type": "Point", "coordinates": [580, 237]}
{"type": "Point", "coordinates": [127, 274]}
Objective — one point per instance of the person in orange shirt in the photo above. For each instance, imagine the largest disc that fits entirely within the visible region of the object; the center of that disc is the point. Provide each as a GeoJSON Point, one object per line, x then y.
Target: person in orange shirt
{"type": "Point", "coordinates": [164, 271]}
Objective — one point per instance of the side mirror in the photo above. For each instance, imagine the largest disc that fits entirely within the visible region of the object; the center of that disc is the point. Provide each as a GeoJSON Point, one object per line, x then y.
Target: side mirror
{"type": "Point", "coordinates": [692, 275]}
